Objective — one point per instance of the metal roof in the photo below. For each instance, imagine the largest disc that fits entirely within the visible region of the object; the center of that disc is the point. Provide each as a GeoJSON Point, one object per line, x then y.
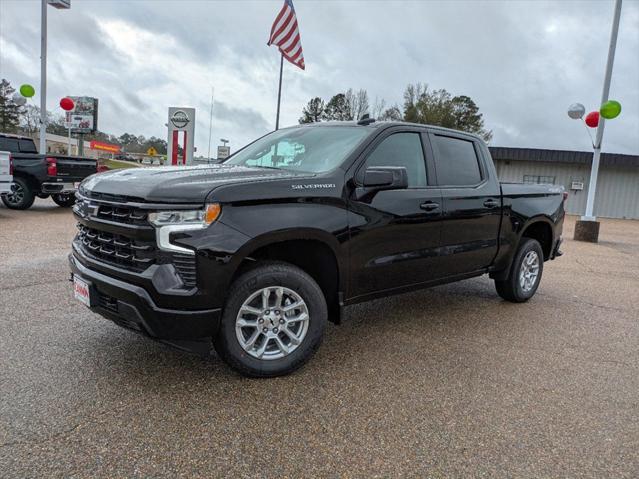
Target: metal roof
{"type": "Point", "coordinates": [561, 156]}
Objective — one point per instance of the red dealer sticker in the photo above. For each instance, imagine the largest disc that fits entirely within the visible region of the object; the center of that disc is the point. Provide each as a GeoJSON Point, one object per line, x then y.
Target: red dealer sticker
{"type": "Point", "coordinates": [81, 291]}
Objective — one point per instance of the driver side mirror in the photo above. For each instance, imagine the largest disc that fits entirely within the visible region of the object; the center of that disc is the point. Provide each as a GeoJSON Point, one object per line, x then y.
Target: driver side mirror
{"type": "Point", "coordinates": [381, 178]}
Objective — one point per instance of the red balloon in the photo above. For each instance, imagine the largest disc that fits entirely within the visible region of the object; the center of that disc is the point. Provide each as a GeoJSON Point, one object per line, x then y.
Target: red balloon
{"type": "Point", "coordinates": [592, 119]}
{"type": "Point", "coordinates": [67, 104]}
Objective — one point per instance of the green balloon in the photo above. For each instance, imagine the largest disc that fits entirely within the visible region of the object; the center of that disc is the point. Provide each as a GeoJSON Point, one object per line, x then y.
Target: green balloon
{"type": "Point", "coordinates": [610, 109]}
{"type": "Point", "coordinates": [27, 90]}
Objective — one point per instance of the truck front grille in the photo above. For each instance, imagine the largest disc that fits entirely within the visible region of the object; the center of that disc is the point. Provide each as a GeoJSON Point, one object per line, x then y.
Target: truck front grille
{"type": "Point", "coordinates": [116, 249]}
{"type": "Point", "coordinates": [123, 214]}
{"type": "Point", "coordinates": [133, 255]}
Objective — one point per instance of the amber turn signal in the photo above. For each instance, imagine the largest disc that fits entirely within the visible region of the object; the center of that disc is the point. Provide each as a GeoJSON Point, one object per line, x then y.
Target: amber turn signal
{"type": "Point", "coordinates": [212, 212]}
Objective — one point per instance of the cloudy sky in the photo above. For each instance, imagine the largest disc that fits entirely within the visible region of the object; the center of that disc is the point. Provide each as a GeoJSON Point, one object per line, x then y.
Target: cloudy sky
{"type": "Point", "coordinates": [523, 62]}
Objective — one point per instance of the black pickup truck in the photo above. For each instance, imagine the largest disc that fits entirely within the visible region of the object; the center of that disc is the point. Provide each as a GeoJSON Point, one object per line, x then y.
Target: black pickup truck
{"type": "Point", "coordinates": [42, 175]}
{"type": "Point", "coordinates": [256, 254]}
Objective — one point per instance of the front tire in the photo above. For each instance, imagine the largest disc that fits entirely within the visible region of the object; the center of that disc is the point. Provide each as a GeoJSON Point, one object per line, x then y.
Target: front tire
{"type": "Point", "coordinates": [525, 273]}
{"type": "Point", "coordinates": [273, 321]}
{"type": "Point", "coordinates": [21, 196]}
{"type": "Point", "coordinates": [65, 200]}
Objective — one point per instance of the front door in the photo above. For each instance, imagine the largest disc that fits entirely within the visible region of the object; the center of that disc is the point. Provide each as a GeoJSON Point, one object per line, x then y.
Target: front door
{"type": "Point", "coordinates": [396, 234]}
{"type": "Point", "coordinates": [471, 204]}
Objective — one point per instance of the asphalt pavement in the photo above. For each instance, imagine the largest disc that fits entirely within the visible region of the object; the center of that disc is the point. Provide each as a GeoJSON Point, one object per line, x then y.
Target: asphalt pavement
{"type": "Point", "coordinates": [447, 382]}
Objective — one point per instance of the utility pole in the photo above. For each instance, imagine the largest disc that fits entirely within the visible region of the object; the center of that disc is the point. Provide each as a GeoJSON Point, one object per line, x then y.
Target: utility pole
{"type": "Point", "coordinates": [587, 229]}
{"type": "Point", "coordinates": [43, 78]}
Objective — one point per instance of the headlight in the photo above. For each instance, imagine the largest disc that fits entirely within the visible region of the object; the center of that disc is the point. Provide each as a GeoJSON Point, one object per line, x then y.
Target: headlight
{"type": "Point", "coordinates": [180, 221]}
{"type": "Point", "coordinates": [202, 217]}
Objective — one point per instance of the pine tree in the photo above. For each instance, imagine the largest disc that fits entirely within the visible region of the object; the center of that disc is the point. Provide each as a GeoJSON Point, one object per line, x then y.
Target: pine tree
{"type": "Point", "coordinates": [313, 112]}
{"type": "Point", "coordinates": [9, 111]}
{"type": "Point", "coordinates": [338, 109]}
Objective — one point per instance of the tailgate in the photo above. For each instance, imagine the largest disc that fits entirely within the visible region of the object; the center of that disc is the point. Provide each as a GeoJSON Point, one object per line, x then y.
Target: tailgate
{"type": "Point", "coordinates": [75, 169]}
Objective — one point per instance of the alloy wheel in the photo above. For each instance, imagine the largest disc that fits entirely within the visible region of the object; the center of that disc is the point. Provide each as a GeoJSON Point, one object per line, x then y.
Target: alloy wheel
{"type": "Point", "coordinates": [272, 323]}
{"type": "Point", "coordinates": [17, 194]}
{"type": "Point", "coordinates": [529, 271]}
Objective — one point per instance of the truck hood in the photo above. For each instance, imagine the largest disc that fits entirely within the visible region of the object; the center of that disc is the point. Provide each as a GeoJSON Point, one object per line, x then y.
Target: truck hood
{"type": "Point", "coordinates": [168, 184]}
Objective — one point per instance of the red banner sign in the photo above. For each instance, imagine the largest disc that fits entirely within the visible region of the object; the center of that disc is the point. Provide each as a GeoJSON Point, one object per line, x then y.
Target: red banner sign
{"type": "Point", "coordinates": [98, 145]}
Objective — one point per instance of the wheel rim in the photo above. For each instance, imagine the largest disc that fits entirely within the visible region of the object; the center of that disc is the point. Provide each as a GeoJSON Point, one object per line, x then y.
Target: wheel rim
{"type": "Point", "coordinates": [529, 271]}
{"type": "Point", "coordinates": [17, 194]}
{"type": "Point", "coordinates": [272, 323]}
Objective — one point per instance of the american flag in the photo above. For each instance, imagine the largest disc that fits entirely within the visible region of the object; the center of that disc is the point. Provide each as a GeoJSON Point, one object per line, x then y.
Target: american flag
{"type": "Point", "coordinates": [285, 35]}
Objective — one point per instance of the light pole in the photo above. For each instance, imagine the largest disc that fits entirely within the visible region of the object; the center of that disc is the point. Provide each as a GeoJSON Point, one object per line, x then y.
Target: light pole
{"type": "Point", "coordinates": [587, 229]}
{"type": "Point", "coordinates": [210, 125]}
{"type": "Point", "coordinates": [62, 5]}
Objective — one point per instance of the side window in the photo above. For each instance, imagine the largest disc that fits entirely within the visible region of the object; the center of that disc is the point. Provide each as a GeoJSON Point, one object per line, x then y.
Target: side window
{"type": "Point", "coordinates": [11, 145]}
{"type": "Point", "coordinates": [402, 149]}
{"type": "Point", "coordinates": [27, 146]}
{"type": "Point", "coordinates": [456, 161]}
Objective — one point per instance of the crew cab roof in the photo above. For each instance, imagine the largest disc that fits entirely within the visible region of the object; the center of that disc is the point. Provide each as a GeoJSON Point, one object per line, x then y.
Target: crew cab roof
{"type": "Point", "coordinates": [383, 125]}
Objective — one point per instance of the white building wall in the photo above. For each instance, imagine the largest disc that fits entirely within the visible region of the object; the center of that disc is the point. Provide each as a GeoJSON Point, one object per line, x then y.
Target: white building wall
{"type": "Point", "coordinates": [617, 188]}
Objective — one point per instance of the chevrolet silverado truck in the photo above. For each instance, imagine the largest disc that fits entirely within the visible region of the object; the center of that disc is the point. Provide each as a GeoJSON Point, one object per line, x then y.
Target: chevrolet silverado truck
{"type": "Point", "coordinates": [6, 172]}
{"type": "Point", "coordinates": [256, 254]}
{"type": "Point", "coordinates": [42, 175]}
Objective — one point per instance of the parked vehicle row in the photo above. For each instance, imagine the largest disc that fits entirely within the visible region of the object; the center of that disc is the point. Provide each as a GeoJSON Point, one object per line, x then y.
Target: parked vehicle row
{"type": "Point", "coordinates": [256, 254]}
{"type": "Point", "coordinates": [42, 175]}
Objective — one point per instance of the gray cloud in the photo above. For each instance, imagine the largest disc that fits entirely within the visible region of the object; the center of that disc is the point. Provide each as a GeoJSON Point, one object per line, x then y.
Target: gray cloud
{"type": "Point", "coordinates": [522, 62]}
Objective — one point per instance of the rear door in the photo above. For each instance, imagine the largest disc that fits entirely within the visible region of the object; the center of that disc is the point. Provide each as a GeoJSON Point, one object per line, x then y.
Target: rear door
{"type": "Point", "coordinates": [471, 203]}
{"type": "Point", "coordinates": [395, 235]}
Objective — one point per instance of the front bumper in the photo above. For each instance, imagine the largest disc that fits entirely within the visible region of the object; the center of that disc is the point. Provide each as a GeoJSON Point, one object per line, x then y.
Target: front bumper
{"type": "Point", "coordinates": [130, 306]}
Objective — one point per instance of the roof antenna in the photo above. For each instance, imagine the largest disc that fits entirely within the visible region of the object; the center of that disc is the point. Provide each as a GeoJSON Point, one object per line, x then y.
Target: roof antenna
{"type": "Point", "coordinates": [366, 120]}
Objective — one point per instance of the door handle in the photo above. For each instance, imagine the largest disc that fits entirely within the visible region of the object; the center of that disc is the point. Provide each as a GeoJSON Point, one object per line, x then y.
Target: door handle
{"type": "Point", "coordinates": [429, 206]}
{"type": "Point", "coordinates": [491, 203]}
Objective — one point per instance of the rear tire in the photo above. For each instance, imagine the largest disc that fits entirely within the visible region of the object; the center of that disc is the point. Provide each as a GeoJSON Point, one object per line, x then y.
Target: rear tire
{"type": "Point", "coordinates": [65, 200]}
{"type": "Point", "coordinates": [21, 196]}
{"type": "Point", "coordinates": [273, 321]}
{"type": "Point", "coordinates": [525, 273]}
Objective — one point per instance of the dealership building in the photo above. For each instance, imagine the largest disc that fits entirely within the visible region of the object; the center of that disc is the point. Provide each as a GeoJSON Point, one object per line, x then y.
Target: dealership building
{"type": "Point", "coordinates": [617, 184]}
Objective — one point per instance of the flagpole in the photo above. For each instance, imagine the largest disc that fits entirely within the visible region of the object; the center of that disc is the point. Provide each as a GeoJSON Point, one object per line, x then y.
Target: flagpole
{"type": "Point", "coordinates": [279, 93]}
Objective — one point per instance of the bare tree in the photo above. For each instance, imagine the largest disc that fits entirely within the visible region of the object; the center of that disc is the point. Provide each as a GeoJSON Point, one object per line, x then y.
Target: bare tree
{"type": "Point", "coordinates": [378, 107]}
{"type": "Point", "coordinates": [30, 120]}
{"type": "Point", "coordinates": [358, 103]}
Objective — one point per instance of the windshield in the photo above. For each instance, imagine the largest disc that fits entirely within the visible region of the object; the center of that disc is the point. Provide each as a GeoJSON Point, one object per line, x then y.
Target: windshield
{"type": "Point", "coordinates": [314, 150]}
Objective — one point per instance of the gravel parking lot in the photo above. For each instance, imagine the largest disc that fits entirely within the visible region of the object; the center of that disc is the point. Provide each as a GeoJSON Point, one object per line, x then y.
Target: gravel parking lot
{"type": "Point", "coordinates": [447, 382]}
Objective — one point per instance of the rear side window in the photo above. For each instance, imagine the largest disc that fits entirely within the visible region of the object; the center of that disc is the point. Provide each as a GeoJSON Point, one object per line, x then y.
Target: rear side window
{"type": "Point", "coordinates": [456, 161]}
{"type": "Point", "coordinates": [9, 144]}
{"type": "Point", "coordinates": [27, 146]}
{"type": "Point", "coordinates": [402, 149]}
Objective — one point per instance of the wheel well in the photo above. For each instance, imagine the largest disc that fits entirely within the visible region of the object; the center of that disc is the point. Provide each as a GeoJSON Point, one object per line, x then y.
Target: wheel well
{"type": "Point", "coordinates": [314, 257]}
{"type": "Point", "coordinates": [541, 232]}
{"type": "Point", "coordinates": [30, 180]}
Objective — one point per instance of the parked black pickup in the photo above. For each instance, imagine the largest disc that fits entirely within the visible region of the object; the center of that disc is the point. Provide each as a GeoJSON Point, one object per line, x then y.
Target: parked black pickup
{"type": "Point", "coordinates": [42, 175]}
{"type": "Point", "coordinates": [256, 254]}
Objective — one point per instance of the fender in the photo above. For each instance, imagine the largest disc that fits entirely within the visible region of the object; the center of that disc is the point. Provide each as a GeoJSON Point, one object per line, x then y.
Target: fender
{"type": "Point", "coordinates": [502, 267]}
{"type": "Point", "coordinates": [296, 234]}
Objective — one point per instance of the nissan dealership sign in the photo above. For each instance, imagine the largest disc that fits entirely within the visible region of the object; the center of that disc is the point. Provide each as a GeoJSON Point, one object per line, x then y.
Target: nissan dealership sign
{"type": "Point", "coordinates": [181, 127]}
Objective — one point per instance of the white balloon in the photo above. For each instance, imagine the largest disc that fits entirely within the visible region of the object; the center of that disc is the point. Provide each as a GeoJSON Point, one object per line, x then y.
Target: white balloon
{"type": "Point", "coordinates": [19, 99]}
{"type": "Point", "coordinates": [576, 111]}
